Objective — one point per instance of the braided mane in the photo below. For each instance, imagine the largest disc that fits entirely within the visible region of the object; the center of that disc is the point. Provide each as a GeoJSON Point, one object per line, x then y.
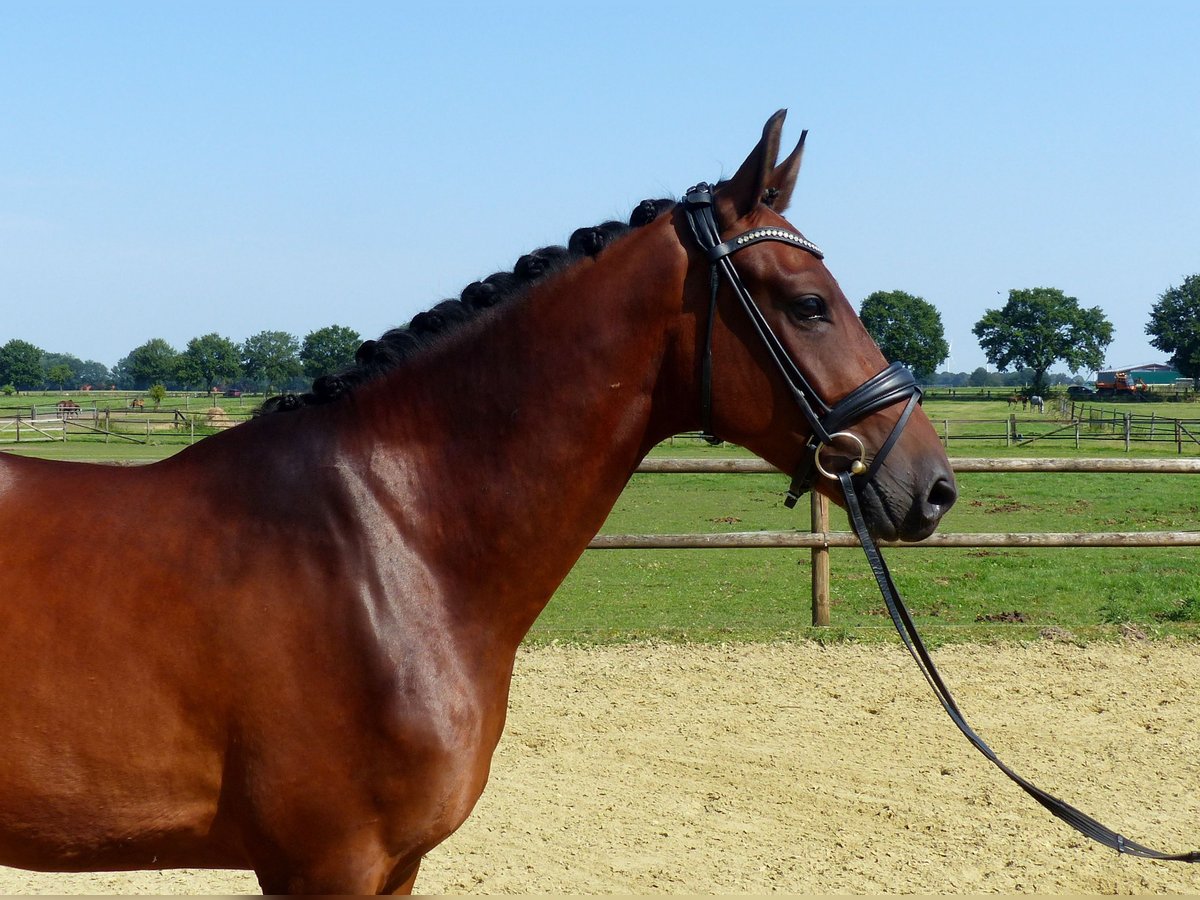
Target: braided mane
{"type": "Point", "coordinates": [374, 358]}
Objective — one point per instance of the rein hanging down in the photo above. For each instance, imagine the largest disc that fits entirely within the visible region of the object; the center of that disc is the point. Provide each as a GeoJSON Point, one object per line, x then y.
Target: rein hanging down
{"type": "Point", "coordinates": [893, 385]}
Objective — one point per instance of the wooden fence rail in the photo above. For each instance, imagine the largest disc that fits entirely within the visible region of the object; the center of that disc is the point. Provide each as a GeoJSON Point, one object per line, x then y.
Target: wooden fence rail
{"type": "Point", "coordinates": [819, 539]}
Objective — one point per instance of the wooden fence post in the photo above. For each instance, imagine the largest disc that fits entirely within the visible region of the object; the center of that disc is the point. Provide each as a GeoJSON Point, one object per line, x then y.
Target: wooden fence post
{"type": "Point", "coordinates": [1127, 435]}
{"type": "Point", "coordinates": [820, 561]}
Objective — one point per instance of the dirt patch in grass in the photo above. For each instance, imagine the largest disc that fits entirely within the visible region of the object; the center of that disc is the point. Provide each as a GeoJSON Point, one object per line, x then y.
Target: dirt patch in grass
{"type": "Point", "coordinates": [1013, 617]}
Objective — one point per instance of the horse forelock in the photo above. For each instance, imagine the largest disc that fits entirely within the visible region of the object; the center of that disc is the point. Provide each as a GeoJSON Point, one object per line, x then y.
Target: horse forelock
{"type": "Point", "coordinates": [395, 347]}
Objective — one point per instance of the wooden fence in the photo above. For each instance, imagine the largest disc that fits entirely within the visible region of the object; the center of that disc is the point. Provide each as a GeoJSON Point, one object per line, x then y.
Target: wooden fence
{"type": "Point", "coordinates": [1078, 423]}
{"type": "Point", "coordinates": [134, 425]}
{"type": "Point", "coordinates": [819, 539]}
{"type": "Point", "coordinates": [1138, 427]}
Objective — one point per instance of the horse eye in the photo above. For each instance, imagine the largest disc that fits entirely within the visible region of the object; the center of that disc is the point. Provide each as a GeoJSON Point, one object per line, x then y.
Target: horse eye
{"type": "Point", "coordinates": [810, 306]}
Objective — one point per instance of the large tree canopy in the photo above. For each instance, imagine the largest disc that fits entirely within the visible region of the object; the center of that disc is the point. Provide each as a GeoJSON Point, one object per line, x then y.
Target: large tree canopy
{"type": "Point", "coordinates": [209, 360]}
{"type": "Point", "coordinates": [81, 371]}
{"type": "Point", "coordinates": [1174, 325]}
{"type": "Point", "coordinates": [328, 349]}
{"type": "Point", "coordinates": [907, 329]}
{"type": "Point", "coordinates": [1039, 326]}
{"type": "Point", "coordinates": [21, 365]}
{"type": "Point", "coordinates": [271, 358]}
{"type": "Point", "coordinates": [154, 362]}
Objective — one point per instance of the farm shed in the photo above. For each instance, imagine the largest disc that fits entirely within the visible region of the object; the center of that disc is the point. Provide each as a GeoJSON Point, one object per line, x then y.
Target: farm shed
{"type": "Point", "coordinates": [1151, 373]}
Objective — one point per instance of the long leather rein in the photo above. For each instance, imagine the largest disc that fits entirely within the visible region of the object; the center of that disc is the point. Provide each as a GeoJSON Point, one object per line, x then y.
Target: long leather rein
{"type": "Point", "coordinates": [893, 385]}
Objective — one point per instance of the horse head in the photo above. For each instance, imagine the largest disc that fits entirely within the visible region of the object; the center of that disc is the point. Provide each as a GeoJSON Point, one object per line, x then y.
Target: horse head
{"type": "Point", "coordinates": [787, 368]}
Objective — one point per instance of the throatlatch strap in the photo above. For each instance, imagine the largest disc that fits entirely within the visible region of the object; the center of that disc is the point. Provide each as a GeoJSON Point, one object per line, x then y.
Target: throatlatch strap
{"type": "Point", "coordinates": [1080, 821]}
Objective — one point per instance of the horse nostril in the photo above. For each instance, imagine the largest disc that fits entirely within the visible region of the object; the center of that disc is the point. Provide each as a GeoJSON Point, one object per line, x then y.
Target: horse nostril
{"type": "Point", "coordinates": [942, 494]}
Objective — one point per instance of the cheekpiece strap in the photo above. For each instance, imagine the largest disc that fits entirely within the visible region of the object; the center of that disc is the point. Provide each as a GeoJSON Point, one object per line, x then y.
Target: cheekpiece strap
{"type": "Point", "coordinates": [698, 202]}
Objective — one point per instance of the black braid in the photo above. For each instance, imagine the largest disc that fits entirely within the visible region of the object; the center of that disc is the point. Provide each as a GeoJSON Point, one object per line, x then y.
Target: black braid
{"type": "Point", "coordinates": [540, 263]}
{"type": "Point", "coordinates": [590, 241]}
{"type": "Point", "coordinates": [647, 211]}
{"type": "Point", "coordinates": [375, 357]}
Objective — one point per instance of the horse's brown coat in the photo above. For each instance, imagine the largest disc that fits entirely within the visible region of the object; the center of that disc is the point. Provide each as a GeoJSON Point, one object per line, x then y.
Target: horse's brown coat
{"type": "Point", "coordinates": [294, 651]}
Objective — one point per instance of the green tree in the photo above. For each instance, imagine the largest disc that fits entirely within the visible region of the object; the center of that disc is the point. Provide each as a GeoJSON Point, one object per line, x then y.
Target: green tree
{"type": "Point", "coordinates": [93, 373]}
{"type": "Point", "coordinates": [328, 349]}
{"type": "Point", "coordinates": [208, 360]}
{"type": "Point", "coordinates": [21, 365]}
{"type": "Point", "coordinates": [82, 371]}
{"type": "Point", "coordinates": [53, 365]}
{"type": "Point", "coordinates": [157, 393]}
{"type": "Point", "coordinates": [907, 329]}
{"type": "Point", "coordinates": [60, 374]}
{"type": "Point", "coordinates": [271, 359]}
{"type": "Point", "coordinates": [1019, 378]}
{"type": "Point", "coordinates": [152, 362]}
{"type": "Point", "coordinates": [981, 377]}
{"type": "Point", "coordinates": [1174, 325]}
{"type": "Point", "coordinates": [1039, 326]}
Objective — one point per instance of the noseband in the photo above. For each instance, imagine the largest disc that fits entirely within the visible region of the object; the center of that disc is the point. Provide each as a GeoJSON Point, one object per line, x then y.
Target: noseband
{"type": "Point", "coordinates": [827, 423]}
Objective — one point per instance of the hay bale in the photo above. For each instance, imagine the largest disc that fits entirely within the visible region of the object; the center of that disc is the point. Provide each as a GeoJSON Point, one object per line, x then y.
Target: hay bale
{"type": "Point", "coordinates": [216, 417]}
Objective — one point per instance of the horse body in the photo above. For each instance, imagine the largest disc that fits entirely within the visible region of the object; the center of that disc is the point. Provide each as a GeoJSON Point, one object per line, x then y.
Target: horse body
{"type": "Point", "coordinates": [293, 650]}
{"type": "Point", "coordinates": [337, 547]}
{"type": "Point", "coordinates": [241, 694]}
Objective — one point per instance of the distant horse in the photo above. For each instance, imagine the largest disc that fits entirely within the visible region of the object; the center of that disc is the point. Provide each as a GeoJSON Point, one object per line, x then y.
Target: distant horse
{"type": "Point", "coordinates": [1037, 403]}
{"type": "Point", "coordinates": [304, 667]}
{"type": "Point", "coordinates": [137, 403]}
{"type": "Point", "coordinates": [67, 409]}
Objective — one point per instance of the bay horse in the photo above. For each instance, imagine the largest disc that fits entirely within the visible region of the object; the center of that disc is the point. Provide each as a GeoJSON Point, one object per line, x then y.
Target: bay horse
{"type": "Point", "coordinates": [303, 668]}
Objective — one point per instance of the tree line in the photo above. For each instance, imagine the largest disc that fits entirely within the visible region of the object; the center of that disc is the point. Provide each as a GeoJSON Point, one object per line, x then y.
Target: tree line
{"type": "Point", "coordinates": [1036, 328]}
{"type": "Point", "coordinates": [270, 361]}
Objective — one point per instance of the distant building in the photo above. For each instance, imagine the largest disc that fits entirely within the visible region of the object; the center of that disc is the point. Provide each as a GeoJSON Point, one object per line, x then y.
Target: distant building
{"type": "Point", "coordinates": [1149, 374]}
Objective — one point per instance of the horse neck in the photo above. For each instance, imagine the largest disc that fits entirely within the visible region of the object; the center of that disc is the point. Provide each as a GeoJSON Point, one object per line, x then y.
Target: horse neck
{"type": "Point", "coordinates": [506, 447]}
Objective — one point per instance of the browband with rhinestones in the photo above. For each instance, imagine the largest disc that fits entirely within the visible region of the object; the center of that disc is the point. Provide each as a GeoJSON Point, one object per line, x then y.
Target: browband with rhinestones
{"type": "Point", "coordinates": [754, 235]}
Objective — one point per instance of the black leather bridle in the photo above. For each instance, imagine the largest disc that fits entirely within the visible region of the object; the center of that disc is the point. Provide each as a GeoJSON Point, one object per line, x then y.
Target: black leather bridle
{"type": "Point", "coordinates": [828, 423]}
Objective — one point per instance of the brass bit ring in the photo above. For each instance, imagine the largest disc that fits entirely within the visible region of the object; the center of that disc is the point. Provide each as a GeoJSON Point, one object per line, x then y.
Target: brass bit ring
{"type": "Point", "coordinates": [858, 467]}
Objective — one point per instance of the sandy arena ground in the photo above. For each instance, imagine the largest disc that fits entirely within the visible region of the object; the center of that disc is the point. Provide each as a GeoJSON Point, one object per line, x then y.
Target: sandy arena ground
{"type": "Point", "coordinates": [797, 769]}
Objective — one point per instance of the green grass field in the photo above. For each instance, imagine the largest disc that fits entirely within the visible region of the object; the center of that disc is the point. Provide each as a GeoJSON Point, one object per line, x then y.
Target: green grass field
{"type": "Point", "coordinates": [188, 401]}
{"type": "Point", "coordinates": [955, 594]}
{"type": "Point", "coordinates": [131, 437]}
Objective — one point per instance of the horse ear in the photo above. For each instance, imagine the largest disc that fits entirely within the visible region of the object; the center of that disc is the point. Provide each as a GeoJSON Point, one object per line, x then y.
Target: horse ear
{"type": "Point", "coordinates": [741, 193]}
{"type": "Point", "coordinates": [782, 179]}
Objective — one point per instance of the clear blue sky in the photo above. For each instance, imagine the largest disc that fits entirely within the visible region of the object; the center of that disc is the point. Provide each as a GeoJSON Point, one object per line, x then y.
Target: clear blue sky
{"type": "Point", "coordinates": [171, 169]}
